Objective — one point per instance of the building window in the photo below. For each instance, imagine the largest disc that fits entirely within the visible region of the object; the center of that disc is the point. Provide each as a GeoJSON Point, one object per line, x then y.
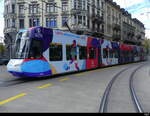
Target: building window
{"type": "Point", "coordinates": [64, 5]}
{"type": "Point", "coordinates": [33, 8]}
{"type": "Point", "coordinates": [55, 52]}
{"type": "Point", "coordinates": [21, 9]}
{"type": "Point", "coordinates": [21, 23]}
{"type": "Point", "coordinates": [79, 4]}
{"type": "Point", "coordinates": [34, 22]}
{"type": "Point", "coordinates": [79, 19]}
{"type": "Point", "coordinates": [50, 7]}
{"type": "Point", "coordinates": [8, 23]}
{"type": "Point", "coordinates": [7, 9]}
{"type": "Point", "coordinates": [51, 22]}
{"type": "Point", "coordinates": [13, 23]}
{"type": "Point", "coordinates": [13, 8]}
{"type": "Point", "coordinates": [84, 20]}
{"type": "Point", "coordinates": [84, 5]}
{"type": "Point", "coordinates": [75, 19]}
{"type": "Point", "coordinates": [64, 20]}
{"type": "Point", "coordinates": [75, 4]}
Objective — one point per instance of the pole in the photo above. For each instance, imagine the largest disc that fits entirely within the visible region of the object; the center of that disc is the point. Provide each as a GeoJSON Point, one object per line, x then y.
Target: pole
{"type": "Point", "coordinates": [42, 13]}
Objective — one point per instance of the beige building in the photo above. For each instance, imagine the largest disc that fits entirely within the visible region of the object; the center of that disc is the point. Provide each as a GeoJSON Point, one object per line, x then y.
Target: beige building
{"type": "Point", "coordinates": [120, 26]}
{"type": "Point", "coordinates": [113, 21]}
{"type": "Point", "coordinates": [81, 15]}
{"type": "Point", "coordinates": [101, 18]}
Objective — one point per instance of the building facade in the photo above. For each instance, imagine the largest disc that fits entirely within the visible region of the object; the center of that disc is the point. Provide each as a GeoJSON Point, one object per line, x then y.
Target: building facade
{"type": "Point", "coordinates": [101, 18]}
{"type": "Point", "coordinates": [120, 26]}
{"type": "Point", "coordinates": [2, 47]}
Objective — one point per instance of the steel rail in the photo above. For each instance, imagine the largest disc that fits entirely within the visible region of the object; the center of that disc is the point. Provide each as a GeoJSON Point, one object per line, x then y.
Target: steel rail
{"type": "Point", "coordinates": [104, 102]}
{"type": "Point", "coordinates": [103, 105]}
{"type": "Point", "coordinates": [135, 99]}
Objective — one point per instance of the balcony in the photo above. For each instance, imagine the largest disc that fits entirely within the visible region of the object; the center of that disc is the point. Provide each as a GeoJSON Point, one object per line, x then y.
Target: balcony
{"type": "Point", "coordinates": [78, 12]}
{"type": "Point", "coordinates": [79, 27]}
{"type": "Point", "coordinates": [131, 38]}
{"type": "Point", "coordinates": [10, 30]}
{"type": "Point", "coordinates": [116, 37]}
{"type": "Point", "coordinates": [65, 12]}
{"type": "Point", "coordinates": [21, 15]}
{"type": "Point", "coordinates": [34, 15]}
{"type": "Point", "coordinates": [97, 19]}
{"type": "Point", "coordinates": [116, 27]}
{"type": "Point", "coordinates": [51, 13]}
{"type": "Point", "coordinates": [12, 15]}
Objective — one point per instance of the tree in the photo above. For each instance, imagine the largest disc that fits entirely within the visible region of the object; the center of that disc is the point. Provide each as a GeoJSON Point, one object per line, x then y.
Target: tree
{"type": "Point", "coordinates": [147, 45]}
{"type": "Point", "coordinates": [2, 49]}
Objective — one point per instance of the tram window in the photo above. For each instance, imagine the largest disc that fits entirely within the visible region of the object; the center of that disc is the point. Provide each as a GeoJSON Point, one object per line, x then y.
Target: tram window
{"type": "Point", "coordinates": [111, 53]}
{"type": "Point", "coordinates": [55, 52]}
{"type": "Point", "coordinates": [136, 54]}
{"type": "Point", "coordinates": [92, 53]}
{"type": "Point", "coordinates": [126, 54]}
{"type": "Point", "coordinates": [36, 49]}
{"type": "Point", "coordinates": [71, 52]}
{"type": "Point", "coordinates": [82, 52]}
{"type": "Point", "coordinates": [105, 53]}
{"type": "Point", "coordinates": [116, 54]}
{"type": "Point", "coordinates": [121, 53]}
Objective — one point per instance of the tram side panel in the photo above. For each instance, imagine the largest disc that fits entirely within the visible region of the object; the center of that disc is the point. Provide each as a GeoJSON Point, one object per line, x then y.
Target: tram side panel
{"type": "Point", "coordinates": [92, 53]}
{"type": "Point", "coordinates": [71, 48]}
{"type": "Point", "coordinates": [106, 47]}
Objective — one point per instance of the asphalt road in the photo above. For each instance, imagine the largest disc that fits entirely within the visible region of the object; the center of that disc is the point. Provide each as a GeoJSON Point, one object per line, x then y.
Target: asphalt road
{"type": "Point", "coordinates": [81, 92]}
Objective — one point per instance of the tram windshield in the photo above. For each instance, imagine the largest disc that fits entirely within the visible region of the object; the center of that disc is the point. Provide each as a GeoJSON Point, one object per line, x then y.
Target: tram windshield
{"type": "Point", "coordinates": [27, 48]}
{"type": "Point", "coordinates": [22, 45]}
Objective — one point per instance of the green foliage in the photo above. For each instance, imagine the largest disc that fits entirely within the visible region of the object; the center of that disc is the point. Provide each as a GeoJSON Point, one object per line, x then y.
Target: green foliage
{"type": "Point", "coordinates": [2, 49]}
{"type": "Point", "coordinates": [147, 44]}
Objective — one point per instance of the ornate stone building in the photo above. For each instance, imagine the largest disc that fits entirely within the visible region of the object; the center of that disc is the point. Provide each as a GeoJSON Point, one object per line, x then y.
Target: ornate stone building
{"type": "Point", "coordinates": [120, 26]}
{"type": "Point", "coordinates": [101, 18]}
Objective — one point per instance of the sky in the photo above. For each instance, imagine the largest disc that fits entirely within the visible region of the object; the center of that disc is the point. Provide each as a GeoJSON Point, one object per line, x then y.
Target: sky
{"type": "Point", "coordinates": [1, 17]}
{"type": "Point", "coordinates": [139, 9]}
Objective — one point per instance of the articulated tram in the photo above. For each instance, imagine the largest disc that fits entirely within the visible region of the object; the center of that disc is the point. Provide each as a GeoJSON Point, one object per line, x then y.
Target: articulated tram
{"type": "Point", "coordinates": [43, 52]}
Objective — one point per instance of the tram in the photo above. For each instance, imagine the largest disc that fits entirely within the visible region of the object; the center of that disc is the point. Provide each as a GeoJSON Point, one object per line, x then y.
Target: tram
{"type": "Point", "coordinates": [41, 52]}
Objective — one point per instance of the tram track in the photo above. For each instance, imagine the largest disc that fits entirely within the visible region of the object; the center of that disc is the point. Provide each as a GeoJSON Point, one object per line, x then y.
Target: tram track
{"type": "Point", "coordinates": [106, 95]}
{"type": "Point", "coordinates": [13, 82]}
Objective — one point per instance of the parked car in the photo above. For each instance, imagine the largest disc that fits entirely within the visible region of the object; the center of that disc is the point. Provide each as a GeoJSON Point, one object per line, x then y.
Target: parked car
{"type": "Point", "coordinates": [4, 61]}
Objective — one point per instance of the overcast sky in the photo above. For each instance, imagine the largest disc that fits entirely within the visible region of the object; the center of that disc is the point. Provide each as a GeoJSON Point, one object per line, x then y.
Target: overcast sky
{"type": "Point", "coordinates": [139, 9]}
{"type": "Point", "coordinates": [1, 17]}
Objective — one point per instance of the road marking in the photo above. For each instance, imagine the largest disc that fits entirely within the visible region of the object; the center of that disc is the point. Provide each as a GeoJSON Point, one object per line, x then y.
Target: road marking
{"type": "Point", "coordinates": [63, 79]}
{"type": "Point", "coordinates": [46, 85]}
{"type": "Point", "coordinates": [12, 98]}
{"type": "Point", "coordinates": [82, 74]}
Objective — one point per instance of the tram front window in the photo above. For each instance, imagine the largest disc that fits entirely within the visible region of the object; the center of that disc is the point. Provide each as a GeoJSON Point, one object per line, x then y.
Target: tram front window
{"type": "Point", "coordinates": [22, 45]}
{"type": "Point", "coordinates": [36, 49]}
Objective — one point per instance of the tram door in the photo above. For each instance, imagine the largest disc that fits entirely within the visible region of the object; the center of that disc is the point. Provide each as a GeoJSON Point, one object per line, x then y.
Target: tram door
{"type": "Point", "coordinates": [92, 54]}
{"type": "Point", "coordinates": [99, 57]}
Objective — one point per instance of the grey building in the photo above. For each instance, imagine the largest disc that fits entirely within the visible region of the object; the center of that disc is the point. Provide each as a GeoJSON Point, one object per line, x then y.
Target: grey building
{"type": "Point", "coordinates": [120, 26]}
{"type": "Point", "coordinates": [101, 18]}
